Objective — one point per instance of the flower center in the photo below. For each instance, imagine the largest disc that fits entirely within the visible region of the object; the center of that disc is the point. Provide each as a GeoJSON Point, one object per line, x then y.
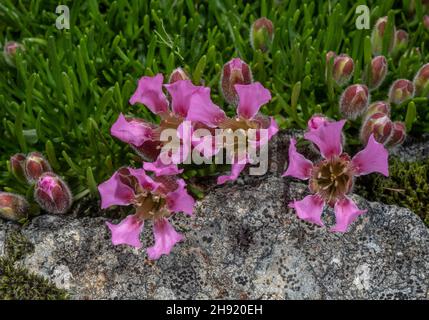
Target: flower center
{"type": "Point", "coordinates": [150, 206]}
{"type": "Point", "coordinates": [332, 179]}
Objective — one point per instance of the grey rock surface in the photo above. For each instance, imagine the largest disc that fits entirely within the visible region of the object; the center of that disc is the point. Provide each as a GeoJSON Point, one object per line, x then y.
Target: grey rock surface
{"type": "Point", "coordinates": [243, 243]}
{"type": "Point", "coordinates": [413, 150]}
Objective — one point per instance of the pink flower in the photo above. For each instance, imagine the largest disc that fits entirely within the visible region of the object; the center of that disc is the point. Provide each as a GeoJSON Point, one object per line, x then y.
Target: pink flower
{"type": "Point", "coordinates": [153, 199]}
{"type": "Point", "coordinates": [250, 99]}
{"type": "Point", "coordinates": [331, 179]}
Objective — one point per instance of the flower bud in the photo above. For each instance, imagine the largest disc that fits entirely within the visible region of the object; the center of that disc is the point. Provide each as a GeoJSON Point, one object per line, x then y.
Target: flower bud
{"type": "Point", "coordinates": [52, 194]}
{"type": "Point", "coordinates": [17, 166]}
{"type": "Point", "coordinates": [178, 74]}
{"type": "Point", "coordinates": [35, 166]}
{"type": "Point", "coordinates": [316, 121]}
{"type": "Point", "coordinates": [421, 80]}
{"type": "Point", "coordinates": [378, 124]}
{"type": "Point", "coordinates": [401, 39]}
{"type": "Point", "coordinates": [329, 56]}
{"type": "Point", "coordinates": [9, 51]}
{"type": "Point", "coordinates": [12, 206]}
{"type": "Point", "coordinates": [378, 107]}
{"type": "Point", "coordinates": [398, 134]}
{"type": "Point", "coordinates": [377, 36]}
{"type": "Point", "coordinates": [378, 72]}
{"type": "Point", "coordinates": [262, 34]}
{"type": "Point", "coordinates": [342, 69]}
{"type": "Point", "coordinates": [234, 72]}
{"type": "Point", "coordinates": [426, 21]}
{"type": "Point", "coordinates": [401, 90]}
{"type": "Point", "coordinates": [354, 101]}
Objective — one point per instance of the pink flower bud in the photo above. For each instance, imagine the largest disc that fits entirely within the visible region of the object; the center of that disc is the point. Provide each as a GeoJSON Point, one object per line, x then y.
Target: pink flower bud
{"type": "Point", "coordinates": [401, 39]}
{"type": "Point", "coordinates": [354, 101]}
{"type": "Point", "coordinates": [426, 21]}
{"type": "Point", "coordinates": [378, 124]}
{"type": "Point", "coordinates": [378, 71]}
{"type": "Point", "coordinates": [178, 74]}
{"type": "Point", "coordinates": [12, 206]}
{"type": "Point", "coordinates": [421, 80]}
{"type": "Point", "coordinates": [401, 90]}
{"type": "Point", "coordinates": [262, 34]}
{"type": "Point", "coordinates": [35, 166]}
{"type": "Point", "coordinates": [234, 72]}
{"type": "Point", "coordinates": [17, 166]}
{"type": "Point", "coordinates": [9, 51]}
{"type": "Point", "coordinates": [52, 194]}
{"type": "Point", "coordinates": [378, 107]}
{"type": "Point", "coordinates": [342, 69]}
{"type": "Point", "coordinates": [398, 134]}
{"type": "Point", "coordinates": [377, 36]}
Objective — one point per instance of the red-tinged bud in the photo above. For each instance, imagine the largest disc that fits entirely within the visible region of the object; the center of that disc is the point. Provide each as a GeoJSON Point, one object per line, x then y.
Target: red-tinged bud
{"type": "Point", "coordinates": [234, 72]}
{"type": "Point", "coordinates": [378, 107]}
{"type": "Point", "coordinates": [342, 69]}
{"type": "Point", "coordinates": [354, 101]}
{"type": "Point", "coordinates": [401, 39]}
{"type": "Point", "coordinates": [377, 36]}
{"type": "Point", "coordinates": [378, 72]}
{"type": "Point", "coordinates": [426, 21]}
{"type": "Point", "coordinates": [262, 34]}
{"type": "Point", "coordinates": [399, 134]}
{"type": "Point", "coordinates": [178, 74]}
{"type": "Point", "coordinates": [17, 166]}
{"type": "Point", "coordinates": [9, 51]}
{"type": "Point", "coordinates": [378, 124]}
{"type": "Point", "coordinates": [400, 91]}
{"type": "Point", "coordinates": [52, 194]}
{"type": "Point", "coordinates": [35, 166]}
{"type": "Point", "coordinates": [12, 206]}
{"type": "Point", "coordinates": [421, 80]}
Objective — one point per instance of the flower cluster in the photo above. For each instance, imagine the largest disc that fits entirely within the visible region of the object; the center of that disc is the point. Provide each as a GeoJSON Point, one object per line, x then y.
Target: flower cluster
{"type": "Point", "coordinates": [331, 179]}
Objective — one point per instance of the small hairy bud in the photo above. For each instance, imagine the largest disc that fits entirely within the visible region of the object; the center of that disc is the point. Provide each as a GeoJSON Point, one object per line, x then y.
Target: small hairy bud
{"type": "Point", "coordinates": [421, 80]}
{"type": "Point", "coordinates": [35, 166]}
{"type": "Point", "coordinates": [9, 51]}
{"type": "Point", "coordinates": [378, 107]}
{"type": "Point", "coordinates": [378, 72]}
{"type": "Point", "coordinates": [378, 124]}
{"type": "Point", "coordinates": [234, 72]}
{"type": "Point", "coordinates": [342, 69]}
{"type": "Point", "coordinates": [401, 90]}
{"type": "Point", "coordinates": [12, 206]}
{"type": "Point", "coordinates": [354, 101]}
{"type": "Point", "coordinates": [52, 194]}
{"type": "Point", "coordinates": [178, 74]}
{"type": "Point", "coordinates": [377, 36]}
{"type": "Point", "coordinates": [17, 166]}
{"type": "Point", "coordinates": [262, 34]}
{"type": "Point", "coordinates": [401, 39]}
{"type": "Point", "coordinates": [399, 134]}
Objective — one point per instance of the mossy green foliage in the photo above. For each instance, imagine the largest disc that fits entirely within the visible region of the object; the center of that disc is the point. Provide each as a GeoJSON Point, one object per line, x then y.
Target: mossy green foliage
{"type": "Point", "coordinates": [17, 282]}
{"type": "Point", "coordinates": [70, 85]}
{"type": "Point", "coordinates": [407, 186]}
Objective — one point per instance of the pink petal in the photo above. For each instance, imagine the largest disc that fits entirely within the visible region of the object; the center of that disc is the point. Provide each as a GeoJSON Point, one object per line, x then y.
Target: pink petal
{"type": "Point", "coordinates": [236, 169]}
{"type": "Point", "coordinates": [127, 231]}
{"type": "Point", "coordinates": [149, 92]}
{"type": "Point", "coordinates": [203, 110]}
{"type": "Point", "coordinates": [299, 167]}
{"type": "Point", "coordinates": [179, 200]}
{"type": "Point", "coordinates": [144, 180]}
{"type": "Point", "coordinates": [206, 145]}
{"type": "Point", "coordinates": [132, 132]}
{"type": "Point", "coordinates": [114, 192]}
{"type": "Point", "coordinates": [328, 138]}
{"type": "Point", "coordinates": [181, 92]}
{"type": "Point", "coordinates": [161, 169]}
{"type": "Point", "coordinates": [309, 209]}
{"type": "Point", "coordinates": [165, 239]}
{"type": "Point", "coordinates": [316, 121]}
{"type": "Point", "coordinates": [374, 158]}
{"type": "Point", "coordinates": [346, 212]}
{"type": "Point", "coordinates": [251, 98]}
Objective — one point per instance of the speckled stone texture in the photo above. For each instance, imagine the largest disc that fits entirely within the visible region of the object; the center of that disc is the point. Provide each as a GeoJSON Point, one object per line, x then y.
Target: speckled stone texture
{"type": "Point", "coordinates": [243, 243]}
